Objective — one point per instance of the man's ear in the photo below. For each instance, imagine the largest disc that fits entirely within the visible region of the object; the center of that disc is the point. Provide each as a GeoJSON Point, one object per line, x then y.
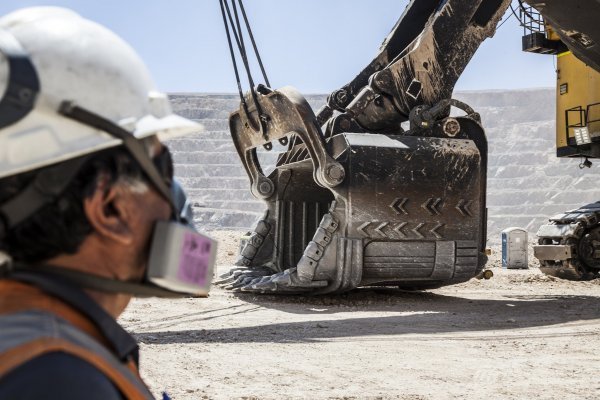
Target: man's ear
{"type": "Point", "coordinates": [106, 211]}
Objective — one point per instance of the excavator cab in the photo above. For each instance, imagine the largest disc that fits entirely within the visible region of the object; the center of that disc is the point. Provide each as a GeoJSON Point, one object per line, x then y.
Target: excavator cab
{"type": "Point", "coordinates": [383, 187]}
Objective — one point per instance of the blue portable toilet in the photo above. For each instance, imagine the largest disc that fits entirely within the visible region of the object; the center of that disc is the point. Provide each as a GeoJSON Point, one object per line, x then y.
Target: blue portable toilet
{"type": "Point", "coordinates": [514, 248]}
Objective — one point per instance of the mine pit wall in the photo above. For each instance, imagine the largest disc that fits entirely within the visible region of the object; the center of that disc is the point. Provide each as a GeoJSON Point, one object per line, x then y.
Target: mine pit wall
{"type": "Point", "coordinates": [526, 182]}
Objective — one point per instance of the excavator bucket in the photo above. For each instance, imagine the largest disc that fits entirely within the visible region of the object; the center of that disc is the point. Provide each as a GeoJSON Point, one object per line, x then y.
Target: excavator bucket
{"type": "Point", "coordinates": [359, 209]}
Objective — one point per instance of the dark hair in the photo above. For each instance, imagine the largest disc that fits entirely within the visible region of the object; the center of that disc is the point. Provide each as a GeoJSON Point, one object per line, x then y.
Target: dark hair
{"type": "Point", "coordinates": [61, 226]}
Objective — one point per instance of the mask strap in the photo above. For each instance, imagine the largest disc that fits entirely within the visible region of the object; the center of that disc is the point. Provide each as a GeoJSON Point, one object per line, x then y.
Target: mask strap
{"type": "Point", "coordinates": [130, 142]}
{"type": "Point", "coordinates": [94, 282]}
{"type": "Point", "coordinates": [23, 84]}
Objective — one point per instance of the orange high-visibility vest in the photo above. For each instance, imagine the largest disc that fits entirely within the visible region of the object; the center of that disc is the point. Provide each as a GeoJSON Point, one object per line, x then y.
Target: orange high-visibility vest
{"type": "Point", "coordinates": [33, 323]}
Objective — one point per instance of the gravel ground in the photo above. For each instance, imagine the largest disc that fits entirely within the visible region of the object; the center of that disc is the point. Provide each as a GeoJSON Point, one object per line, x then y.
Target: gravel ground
{"type": "Point", "coordinates": [520, 335]}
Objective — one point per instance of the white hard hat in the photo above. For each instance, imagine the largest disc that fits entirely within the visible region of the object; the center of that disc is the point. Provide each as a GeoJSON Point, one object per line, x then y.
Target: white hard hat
{"type": "Point", "coordinates": [77, 61]}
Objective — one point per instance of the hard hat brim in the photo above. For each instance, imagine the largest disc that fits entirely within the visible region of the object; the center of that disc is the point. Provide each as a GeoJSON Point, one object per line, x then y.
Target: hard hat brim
{"type": "Point", "coordinates": [170, 127]}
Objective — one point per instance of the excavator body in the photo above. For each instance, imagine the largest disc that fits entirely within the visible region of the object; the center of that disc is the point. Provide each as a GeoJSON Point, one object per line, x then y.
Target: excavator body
{"type": "Point", "coordinates": [569, 244]}
{"type": "Point", "coordinates": [384, 186]}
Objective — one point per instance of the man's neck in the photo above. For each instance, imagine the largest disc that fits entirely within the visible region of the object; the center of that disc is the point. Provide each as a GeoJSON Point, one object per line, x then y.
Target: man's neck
{"type": "Point", "coordinates": [89, 259]}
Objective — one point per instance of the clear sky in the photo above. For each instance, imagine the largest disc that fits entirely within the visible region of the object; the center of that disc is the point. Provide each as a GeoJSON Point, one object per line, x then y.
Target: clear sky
{"type": "Point", "coordinates": [314, 45]}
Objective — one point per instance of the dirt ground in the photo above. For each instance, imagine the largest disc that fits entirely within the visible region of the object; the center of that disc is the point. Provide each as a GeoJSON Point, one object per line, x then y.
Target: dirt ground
{"type": "Point", "coordinates": [520, 335]}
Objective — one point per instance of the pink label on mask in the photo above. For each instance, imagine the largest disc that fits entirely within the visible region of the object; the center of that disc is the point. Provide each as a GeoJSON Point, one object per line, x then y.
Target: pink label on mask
{"type": "Point", "coordinates": [194, 263]}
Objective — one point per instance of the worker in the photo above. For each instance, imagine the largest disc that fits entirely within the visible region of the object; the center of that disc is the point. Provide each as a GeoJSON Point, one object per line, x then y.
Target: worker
{"type": "Point", "coordinates": [88, 216]}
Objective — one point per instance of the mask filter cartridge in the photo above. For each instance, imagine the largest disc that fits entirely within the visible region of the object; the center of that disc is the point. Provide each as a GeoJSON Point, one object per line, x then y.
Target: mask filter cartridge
{"type": "Point", "coordinates": [181, 259]}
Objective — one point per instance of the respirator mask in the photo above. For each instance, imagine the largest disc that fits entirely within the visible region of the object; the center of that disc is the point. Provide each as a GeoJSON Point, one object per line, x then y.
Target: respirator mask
{"type": "Point", "coordinates": [181, 259]}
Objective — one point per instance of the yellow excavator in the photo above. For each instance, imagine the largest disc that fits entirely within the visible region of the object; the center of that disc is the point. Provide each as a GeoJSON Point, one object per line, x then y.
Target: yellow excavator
{"type": "Point", "coordinates": [384, 186]}
{"type": "Point", "coordinates": [569, 244]}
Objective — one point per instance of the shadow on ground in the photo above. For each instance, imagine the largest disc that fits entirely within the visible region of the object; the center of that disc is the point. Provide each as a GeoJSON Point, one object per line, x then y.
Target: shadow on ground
{"type": "Point", "coordinates": [416, 313]}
